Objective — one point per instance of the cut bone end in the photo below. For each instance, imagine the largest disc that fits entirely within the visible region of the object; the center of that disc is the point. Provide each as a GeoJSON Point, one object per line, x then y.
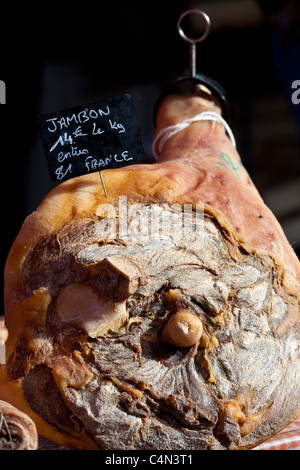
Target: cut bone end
{"type": "Point", "coordinates": [183, 329]}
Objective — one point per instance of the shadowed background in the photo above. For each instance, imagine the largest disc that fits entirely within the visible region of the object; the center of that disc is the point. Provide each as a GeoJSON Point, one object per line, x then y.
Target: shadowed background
{"type": "Point", "coordinates": [64, 54]}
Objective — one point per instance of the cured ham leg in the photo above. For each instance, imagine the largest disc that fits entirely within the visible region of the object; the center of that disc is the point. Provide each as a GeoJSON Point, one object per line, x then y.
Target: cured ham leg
{"type": "Point", "coordinates": [165, 316]}
{"type": "Point", "coordinates": [17, 430]}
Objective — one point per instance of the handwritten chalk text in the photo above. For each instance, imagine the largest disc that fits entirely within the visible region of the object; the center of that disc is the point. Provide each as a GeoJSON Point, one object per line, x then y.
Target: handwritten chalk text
{"type": "Point", "coordinates": [79, 118]}
{"type": "Point", "coordinates": [92, 137]}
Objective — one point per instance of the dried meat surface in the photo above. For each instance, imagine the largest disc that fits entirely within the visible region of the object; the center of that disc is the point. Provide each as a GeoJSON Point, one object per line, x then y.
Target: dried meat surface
{"type": "Point", "coordinates": [145, 394]}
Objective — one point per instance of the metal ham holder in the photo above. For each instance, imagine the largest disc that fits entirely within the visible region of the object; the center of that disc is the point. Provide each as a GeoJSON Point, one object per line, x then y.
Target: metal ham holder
{"type": "Point", "coordinates": [186, 84]}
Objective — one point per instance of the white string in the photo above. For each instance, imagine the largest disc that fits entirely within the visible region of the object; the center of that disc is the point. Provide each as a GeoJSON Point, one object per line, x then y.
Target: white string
{"type": "Point", "coordinates": [165, 134]}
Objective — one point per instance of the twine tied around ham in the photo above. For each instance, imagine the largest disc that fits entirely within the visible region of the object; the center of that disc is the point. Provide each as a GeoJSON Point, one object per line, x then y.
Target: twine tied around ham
{"type": "Point", "coordinates": [165, 134]}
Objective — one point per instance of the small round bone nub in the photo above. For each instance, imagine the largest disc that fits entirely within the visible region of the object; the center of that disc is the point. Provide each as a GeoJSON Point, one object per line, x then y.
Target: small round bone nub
{"type": "Point", "coordinates": [183, 329]}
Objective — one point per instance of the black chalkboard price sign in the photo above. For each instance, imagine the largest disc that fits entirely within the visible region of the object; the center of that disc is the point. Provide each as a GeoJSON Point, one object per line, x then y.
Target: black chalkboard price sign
{"type": "Point", "coordinates": [91, 138]}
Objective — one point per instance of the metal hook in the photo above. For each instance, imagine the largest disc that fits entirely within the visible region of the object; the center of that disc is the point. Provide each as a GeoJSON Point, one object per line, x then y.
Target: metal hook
{"type": "Point", "coordinates": [186, 83]}
{"type": "Point", "coordinates": [192, 42]}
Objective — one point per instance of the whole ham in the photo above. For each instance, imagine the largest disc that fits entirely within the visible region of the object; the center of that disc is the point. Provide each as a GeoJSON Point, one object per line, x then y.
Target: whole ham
{"type": "Point", "coordinates": [164, 316]}
{"type": "Point", "coordinates": [17, 430]}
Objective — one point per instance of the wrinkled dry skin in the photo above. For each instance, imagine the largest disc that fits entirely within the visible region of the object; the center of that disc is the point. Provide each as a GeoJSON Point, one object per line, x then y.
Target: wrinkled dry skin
{"type": "Point", "coordinates": [90, 308]}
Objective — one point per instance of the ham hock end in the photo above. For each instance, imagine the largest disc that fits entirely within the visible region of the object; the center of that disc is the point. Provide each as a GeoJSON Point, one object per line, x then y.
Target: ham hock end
{"type": "Point", "coordinates": [123, 338]}
{"type": "Point", "coordinates": [17, 430]}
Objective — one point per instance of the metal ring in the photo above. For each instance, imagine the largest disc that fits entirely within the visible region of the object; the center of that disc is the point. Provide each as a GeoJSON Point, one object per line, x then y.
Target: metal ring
{"type": "Point", "coordinates": [182, 33]}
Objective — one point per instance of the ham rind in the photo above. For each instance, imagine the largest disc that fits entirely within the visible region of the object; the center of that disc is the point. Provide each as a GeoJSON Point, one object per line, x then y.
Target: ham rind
{"type": "Point", "coordinates": [208, 168]}
{"type": "Point", "coordinates": [92, 281]}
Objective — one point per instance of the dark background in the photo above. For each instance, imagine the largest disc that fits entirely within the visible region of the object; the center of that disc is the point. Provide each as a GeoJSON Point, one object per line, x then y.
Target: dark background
{"type": "Point", "coordinates": [56, 55]}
